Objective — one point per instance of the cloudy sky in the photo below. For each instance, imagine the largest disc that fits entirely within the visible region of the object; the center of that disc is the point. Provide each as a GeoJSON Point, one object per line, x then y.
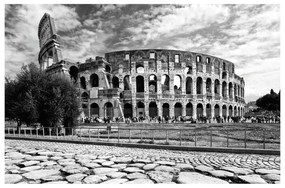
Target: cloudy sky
{"type": "Point", "coordinates": [247, 35]}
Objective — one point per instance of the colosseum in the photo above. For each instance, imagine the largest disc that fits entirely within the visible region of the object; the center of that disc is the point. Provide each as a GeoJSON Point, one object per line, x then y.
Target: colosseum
{"type": "Point", "coordinates": [147, 83]}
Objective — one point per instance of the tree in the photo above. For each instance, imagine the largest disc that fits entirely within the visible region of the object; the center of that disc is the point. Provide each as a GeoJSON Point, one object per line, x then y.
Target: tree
{"type": "Point", "coordinates": [270, 101]}
{"type": "Point", "coordinates": [35, 97]}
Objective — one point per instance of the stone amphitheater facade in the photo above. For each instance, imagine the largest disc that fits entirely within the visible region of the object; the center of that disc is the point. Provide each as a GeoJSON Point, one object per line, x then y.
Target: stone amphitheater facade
{"type": "Point", "coordinates": [158, 82]}
{"type": "Point", "coordinates": [148, 82]}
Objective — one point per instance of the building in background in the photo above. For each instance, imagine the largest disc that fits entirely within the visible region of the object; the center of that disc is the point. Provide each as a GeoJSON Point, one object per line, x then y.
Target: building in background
{"type": "Point", "coordinates": [147, 83]}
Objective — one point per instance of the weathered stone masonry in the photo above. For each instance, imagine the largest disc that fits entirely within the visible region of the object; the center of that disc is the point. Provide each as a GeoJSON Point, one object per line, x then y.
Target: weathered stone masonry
{"type": "Point", "coordinates": [149, 82]}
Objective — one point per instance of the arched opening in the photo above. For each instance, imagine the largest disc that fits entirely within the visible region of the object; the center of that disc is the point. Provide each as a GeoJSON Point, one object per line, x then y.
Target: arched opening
{"type": "Point", "coordinates": [178, 109]}
{"type": "Point", "coordinates": [230, 111]}
{"type": "Point", "coordinates": [153, 109]}
{"type": "Point", "coordinates": [177, 84]}
{"type": "Point", "coordinates": [224, 75]}
{"type": "Point", "coordinates": [217, 110]}
{"type": "Point", "coordinates": [128, 110]}
{"type": "Point", "coordinates": [230, 90]}
{"type": "Point", "coordinates": [94, 110]}
{"type": "Point", "coordinates": [198, 59]}
{"type": "Point", "coordinates": [188, 70]}
{"type": "Point", "coordinates": [115, 82]}
{"type": "Point", "coordinates": [189, 109]}
{"type": "Point", "coordinates": [235, 90]}
{"type": "Point", "coordinates": [209, 86]}
{"type": "Point", "coordinates": [85, 109]}
{"type": "Point", "coordinates": [224, 89]}
{"type": "Point", "coordinates": [84, 97]}
{"type": "Point", "coordinates": [140, 109]}
{"type": "Point", "coordinates": [73, 72]}
{"type": "Point", "coordinates": [224, 111]}
{"type": "Point", "coordinates": [139, 69]}
{"type": "Point", "coordinates": [108, 68]}
{"type": "Point", "coordinates": [188, 85]}
{"type": "Point", "coordinates": [235, 111]}
{"type": "Point", "coordinates": [94, 80]}
{"type": "Point", "coordinates": [208, 110]}
{"type": "Point", "coordinates": [83, 82]}
{"type": "Point", "coordinates": [199, 110]}
{"type": "Point", "coordinates": [127, 83]}
{"type": "Point", "coordinates": [164, 83]}
{"type": "Point", "coordinates": [109, 110]}
{"type": "Point", "coordinates": [152, 83]}
{"type": "Point", "coordinates": [140, 83]}
{"type": "Point", "coordinates": [165, 110]}
{"type": "Point", "coordinates": [217, 87]}
{"type": "Point", "coordinates": [199, 86]}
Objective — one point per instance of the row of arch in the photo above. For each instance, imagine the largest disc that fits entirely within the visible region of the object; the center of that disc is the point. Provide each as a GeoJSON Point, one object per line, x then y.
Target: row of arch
{"type": "Point", "coordinates": [178, 57]}
{"type": "Point", "coordinates": [94, 81]}
{"type": "Point", "coordinates": [228, 89]}
{"type": "Point", "coordinates": [219, 110]}
{"type": "Point", "coordinates": [189, 69]}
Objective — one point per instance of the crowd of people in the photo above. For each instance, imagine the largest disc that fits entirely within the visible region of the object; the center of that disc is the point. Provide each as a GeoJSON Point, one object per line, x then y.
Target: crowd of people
{"type": "Point", "coordinates": [184, 119]}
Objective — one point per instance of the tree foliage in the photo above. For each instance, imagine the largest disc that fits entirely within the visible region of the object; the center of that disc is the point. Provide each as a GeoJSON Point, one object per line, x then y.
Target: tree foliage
{"type": "Point", "coordinates": [35, 97]}
{"type": "Point", "coordinates": [269, 101]}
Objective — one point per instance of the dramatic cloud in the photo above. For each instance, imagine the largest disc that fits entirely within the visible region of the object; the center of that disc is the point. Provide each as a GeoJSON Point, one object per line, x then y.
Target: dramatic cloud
{"type": "Point", "coordinates": [247, 35]}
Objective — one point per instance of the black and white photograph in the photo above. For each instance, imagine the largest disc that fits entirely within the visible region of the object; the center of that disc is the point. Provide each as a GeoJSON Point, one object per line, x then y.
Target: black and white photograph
{"type": "Point", "coordinates": [142, 92]}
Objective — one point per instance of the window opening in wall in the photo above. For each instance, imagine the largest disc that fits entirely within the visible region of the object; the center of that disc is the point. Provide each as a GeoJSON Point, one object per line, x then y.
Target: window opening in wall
{"type": "Point", "coordinates": [115, 82]}
{"type": "Point", "coordinates": [188, 85]}
{"type": "Point", "coordinates": [165, 110]}
{"type": "Point", "coordinates": [127, 82]}
{"type": "Point", "coordinates": [94, 80]}
{"type": "Point", "coordinates": [198, 58]}
{"type": "Point", "coordinates": [83, 82]}
{"type": "Point", "coordinates": [224, 75]}
{"type": "Point", "coordinates": [199, 85]}
{"type": "Point", "coordinates": [152, 55]}
{"type": "Point", "coordinates": [188, 70]}
{"type": "Point", "coordinates": [127, 56]}
{"type": "Point", "coordinates": [176, 58]}
{"type": "Point", "coordinates": [128, 110]}
{"type": "Point", "coordinates": [208, 60]}
{"type": "Point", "coordinates": [177, 84]}
{"type": "Point", "coordinates": [164, 83]}
{"type": "Point", "coordinates": [140, 83]}
{"type": "Point", "coordinates": [152, 84]}
{"type": "Point", "coordinates": [140, 69]}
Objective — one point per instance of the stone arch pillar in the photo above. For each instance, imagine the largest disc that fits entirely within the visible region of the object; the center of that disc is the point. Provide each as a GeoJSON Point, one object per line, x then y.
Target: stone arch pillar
{"type": "Point", "coordinates": [184, 108]}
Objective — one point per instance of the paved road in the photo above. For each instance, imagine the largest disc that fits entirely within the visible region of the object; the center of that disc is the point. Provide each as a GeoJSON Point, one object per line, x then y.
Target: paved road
{"type": "Point", "coordinates": [141, 165]}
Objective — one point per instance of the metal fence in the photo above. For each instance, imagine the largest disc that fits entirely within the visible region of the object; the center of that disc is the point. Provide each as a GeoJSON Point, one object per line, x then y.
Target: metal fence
{"type": "Point", "coordinates": [193, 137]}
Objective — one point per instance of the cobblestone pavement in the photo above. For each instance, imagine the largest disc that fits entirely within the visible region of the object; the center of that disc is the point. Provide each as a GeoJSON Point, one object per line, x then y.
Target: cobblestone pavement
{"type": "Point", "coordinates": [51, 162]}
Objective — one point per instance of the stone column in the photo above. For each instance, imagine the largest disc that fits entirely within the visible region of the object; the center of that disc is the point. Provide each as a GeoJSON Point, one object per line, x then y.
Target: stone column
{"type": "Point", "coordinates": [204, 109]}
{"type": "Point", "coordinates": [183, 109]}
{"type": "Point", "coordinates": [134, 106]}
{"type": "Point", "coordinates": [220, 109]}
{"type": "Point", "coordinates": [213, 88]}
{"type": "Point", "coordinates": [212, 111]}
{"type": "Point", "coordinates": [171, 109]}
{"type": "Point", "coordinates": [204, 90]}
{"type": "Point", "coordinates": [194, 110]}
{"type": "Point", "coordinates": [221, 89]}
{"type": "Point", "coordinates": [159, 108]}
{"type": "Point", "coordinates": [183, 84]}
